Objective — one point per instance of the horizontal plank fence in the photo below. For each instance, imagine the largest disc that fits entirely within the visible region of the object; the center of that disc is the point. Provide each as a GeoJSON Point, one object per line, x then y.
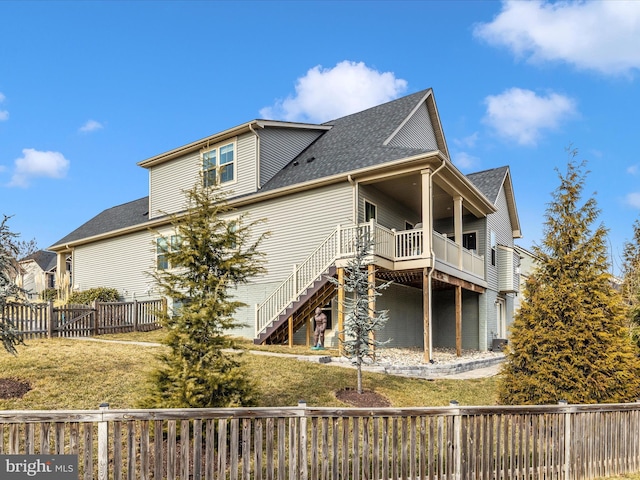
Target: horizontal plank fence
{"type": "Point", "coordinates": [39, 320]}
{"type": "Point", "coordinates": [568, 442]}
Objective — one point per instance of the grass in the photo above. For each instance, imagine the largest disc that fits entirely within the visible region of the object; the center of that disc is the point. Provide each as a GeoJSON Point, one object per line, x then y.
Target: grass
{"type": "Point", "coordinates": [82, 374]}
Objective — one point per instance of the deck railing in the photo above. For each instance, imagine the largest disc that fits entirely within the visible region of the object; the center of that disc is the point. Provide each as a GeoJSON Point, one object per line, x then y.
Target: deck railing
{"type": "Point", "coordinates": [388, 243]}
{"type": "Point", "coordinates": [573, 442]}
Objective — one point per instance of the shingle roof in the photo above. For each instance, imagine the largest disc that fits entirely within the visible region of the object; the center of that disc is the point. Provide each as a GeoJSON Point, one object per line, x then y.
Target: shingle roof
{"type": "Point", "coordinates": [114, 218]}
{"type": "Point", "coordinates": [354, 142]}
{"type": "Point", "coordinates": [489, 182]}
{"type": "Point", "coordinates": [45, 259]}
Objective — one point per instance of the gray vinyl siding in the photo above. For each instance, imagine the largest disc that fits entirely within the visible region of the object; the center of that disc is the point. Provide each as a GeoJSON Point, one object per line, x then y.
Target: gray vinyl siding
{"type": "Point", "coordinates": [168, 181]}
{"type": "Point", "coordinates": [298, 223]}
{"type": "Point", "coordinates": [444, 319]}
{"type": "Point", "coordinates": [500, 224]}
{"type": "Point", "coordinates": [278, 146]}
{"type": "Point", "coordinates": [417, 132]}
{"type": "Point", "coordinates": [390, 214]}
{"type": "Point", "coordinates": [405, 325]}
{"type": "Point", "coordinates": [119, 263]}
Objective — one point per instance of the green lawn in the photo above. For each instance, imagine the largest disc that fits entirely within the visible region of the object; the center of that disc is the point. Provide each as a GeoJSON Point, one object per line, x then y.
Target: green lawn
{"type": "Point", "coordinates": [82, 374]}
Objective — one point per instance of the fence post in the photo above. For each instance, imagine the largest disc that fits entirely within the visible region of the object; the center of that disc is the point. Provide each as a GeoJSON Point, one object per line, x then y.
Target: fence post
{"type": "Point", "coordinates": [51, 318]}
{"type": "Point", "coordinates": [457, 441]}
{"type": "Point", "coordinates": [135, 315]}
{"type": "Point", "coordinates": [567, 440]}
{"type": "Point", "coordinates": [103, 445]}
{"type": "Point", "coordinates": [96, 319]}
{"type": "Point", "coordinates": [302, 445]}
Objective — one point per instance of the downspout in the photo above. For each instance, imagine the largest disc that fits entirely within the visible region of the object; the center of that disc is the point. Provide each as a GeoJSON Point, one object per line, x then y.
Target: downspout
{"type": "Point", "coordinates": [257, 156]}
{"type": "Point", "coordinates": [433, 260]}
{"type": "Point", "coordinates": [355, 198]}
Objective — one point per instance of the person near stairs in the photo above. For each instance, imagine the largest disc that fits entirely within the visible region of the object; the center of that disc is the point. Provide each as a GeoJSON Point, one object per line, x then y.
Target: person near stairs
{"type": "Point", "coordinates": [321, 325]}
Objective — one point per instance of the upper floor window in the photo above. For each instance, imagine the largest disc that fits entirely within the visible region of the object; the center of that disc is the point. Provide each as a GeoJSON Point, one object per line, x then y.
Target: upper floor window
{"type": "Point", "coordinates": [218, 165]}
{"type": "Point", "coordinates": [370, 211]}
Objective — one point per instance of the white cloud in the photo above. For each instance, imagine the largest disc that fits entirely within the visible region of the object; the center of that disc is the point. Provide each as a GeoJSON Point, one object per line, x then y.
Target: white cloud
{"type": "Point", "coordinates": [601, 36]}
{"type": "Point", "coordinates": [468, 141]}
{"type": "Point", "coordinates": [90, 126]}
{"type": "Point", "coordinates": [522, 115]}
{"type": "Point", "coordinates": [633, 199]}
{"type": "Point", "coordinates": [328, 93]}
{"type": "Point", "coordinates": [633, 169]}
{"type": "Point", "coordinates": [465, 161]}
{"type": "Point", "coordinates": [35, 163]}
{"type": "Point", "coordinates": [4, 114]}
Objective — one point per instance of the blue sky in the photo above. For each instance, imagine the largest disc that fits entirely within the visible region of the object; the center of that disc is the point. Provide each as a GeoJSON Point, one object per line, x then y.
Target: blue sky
{"type": "Point", "coordinates": [88, 89]}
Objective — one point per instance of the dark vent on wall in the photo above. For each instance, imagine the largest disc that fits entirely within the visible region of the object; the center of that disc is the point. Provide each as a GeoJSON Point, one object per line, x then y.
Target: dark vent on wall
{"type": "Point", "coordinates": [310, 159]}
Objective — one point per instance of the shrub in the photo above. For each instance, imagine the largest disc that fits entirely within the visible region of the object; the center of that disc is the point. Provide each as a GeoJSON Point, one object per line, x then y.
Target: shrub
{"type": "Point", "coordinates": [49, 294]}
{"type": "Point", "coordinates": [100, 294]}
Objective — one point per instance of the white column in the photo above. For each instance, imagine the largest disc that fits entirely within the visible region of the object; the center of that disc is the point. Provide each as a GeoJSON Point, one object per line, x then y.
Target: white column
{"type": "Point", "coordinates": [457, 225]}
{"type": "Point", "coordinates": [427, 217]}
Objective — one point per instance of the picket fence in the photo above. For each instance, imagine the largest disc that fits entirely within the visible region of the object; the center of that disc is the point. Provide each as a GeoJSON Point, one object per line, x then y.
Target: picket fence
{"type": "Point", "coordinates": [36, 320]}
{"type": "Point", "coordinates": [565, 442]}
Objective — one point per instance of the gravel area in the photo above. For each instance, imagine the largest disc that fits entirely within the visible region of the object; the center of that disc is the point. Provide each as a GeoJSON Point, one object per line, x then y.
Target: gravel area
{"type": "Point", "coordinates": [441, 356]}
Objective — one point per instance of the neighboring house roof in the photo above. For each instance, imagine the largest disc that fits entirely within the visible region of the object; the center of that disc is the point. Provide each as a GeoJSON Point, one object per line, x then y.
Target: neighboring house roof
{"type": "Point", "coordinates": [490, 183]}
{"type": "Point", "coordinates": [111, 219]}
{"type": "Point", "coordinates": [355, 141]}
{"type": "Point", "coordinates": [45, 259]}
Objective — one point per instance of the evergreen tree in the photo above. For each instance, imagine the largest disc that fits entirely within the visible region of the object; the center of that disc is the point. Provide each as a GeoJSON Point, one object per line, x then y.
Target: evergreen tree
{"type": "Point", "coordinates": [568, 340]}
{"type": "Point", "coordinates": [9, 269]}
{"type": "Point", "coordinates": [631, 281]}
{"type": "Point", "coordinates": [361, 321]}
{"type": "Point", "coordinates": [209, 254]}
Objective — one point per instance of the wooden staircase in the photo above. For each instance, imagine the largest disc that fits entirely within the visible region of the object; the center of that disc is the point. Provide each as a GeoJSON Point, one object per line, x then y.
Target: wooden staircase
{"type": "Point", "coordinates": [319, 293]}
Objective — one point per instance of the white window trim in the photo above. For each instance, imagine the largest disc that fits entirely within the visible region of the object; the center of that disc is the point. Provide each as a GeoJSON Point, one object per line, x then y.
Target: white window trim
{"type": "Point", "coordinates": [217, 148]}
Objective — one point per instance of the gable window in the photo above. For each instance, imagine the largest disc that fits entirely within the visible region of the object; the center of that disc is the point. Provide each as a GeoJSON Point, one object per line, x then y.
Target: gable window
{"type": "Point", "coordinates": [218, 165]}
{"type": "Point", "coordinates": [163, 247]}
{"type": "Point", "coordinates": [469, 241]}
{"type": "Point", "coordinates": [370, 211]}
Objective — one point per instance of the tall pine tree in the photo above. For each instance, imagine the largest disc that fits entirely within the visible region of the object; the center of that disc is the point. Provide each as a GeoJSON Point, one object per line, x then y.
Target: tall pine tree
{"type": "Point", "coordinates": [631, 281]}
{"type": "Point", "coordinates": [568, 340]}
{"type": "Point", "coordinates": [207, 256]}
{"type": "Point", "coordinates": [9, 269]}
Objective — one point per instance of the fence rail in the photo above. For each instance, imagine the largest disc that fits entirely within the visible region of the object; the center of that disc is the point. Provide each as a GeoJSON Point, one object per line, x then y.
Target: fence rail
{"type": "Point", "coordinates": [573, 442]}
{"type": "Point", "coordinates": [44, 320]}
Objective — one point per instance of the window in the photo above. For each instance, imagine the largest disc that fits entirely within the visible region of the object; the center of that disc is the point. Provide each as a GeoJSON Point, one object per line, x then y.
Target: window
{"type": "Point", "coordinates": [469, 241]}
{"type": "Point", "coordinates": [493, 248]}
{"type": "Point", "coordinates": [218, 165]}
{"type": "Point", "coordinates": [163, 247]}
{"type": "Point", "coordinates": [369, 211]}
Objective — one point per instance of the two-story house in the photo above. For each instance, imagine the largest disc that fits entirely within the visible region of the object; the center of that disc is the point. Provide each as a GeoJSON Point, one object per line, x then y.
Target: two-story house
{"type": "Point", "coordinates": [444, 238]}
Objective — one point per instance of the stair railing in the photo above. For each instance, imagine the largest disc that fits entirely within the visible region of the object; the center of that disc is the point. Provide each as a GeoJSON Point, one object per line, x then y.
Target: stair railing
{"type": "Point", "coordinates": [340, 243]}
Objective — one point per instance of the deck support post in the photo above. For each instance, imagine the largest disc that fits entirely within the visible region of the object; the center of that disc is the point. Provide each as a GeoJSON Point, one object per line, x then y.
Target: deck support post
{"type": "Point", "coordinates": [458, 320]}
{"type": "Point", "coordinates": [371, 270]}
{"type": "Point", "coordinates": [290, 320]}
{"type": "Point", "coordinates": [426, 314]}
{"type": "Point", "coordinates": [340, 311]}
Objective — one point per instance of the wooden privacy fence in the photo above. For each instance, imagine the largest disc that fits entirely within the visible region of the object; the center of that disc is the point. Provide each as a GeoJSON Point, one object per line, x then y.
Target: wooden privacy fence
{"type": "Point", "coordinates": [44, 320]}
{"type": "Point", "coordinates": [569, 442]}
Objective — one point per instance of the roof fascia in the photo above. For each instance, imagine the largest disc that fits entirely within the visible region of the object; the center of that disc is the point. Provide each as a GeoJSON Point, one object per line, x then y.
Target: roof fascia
{"type": "Point", "coordinates": [257, 197]}
{"type": "Point", "coordinates": [435, 121]}
{"type": "Point", "coordinates": [511, 204]}
{"type": "Point", "coordinates": [222, 136]}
